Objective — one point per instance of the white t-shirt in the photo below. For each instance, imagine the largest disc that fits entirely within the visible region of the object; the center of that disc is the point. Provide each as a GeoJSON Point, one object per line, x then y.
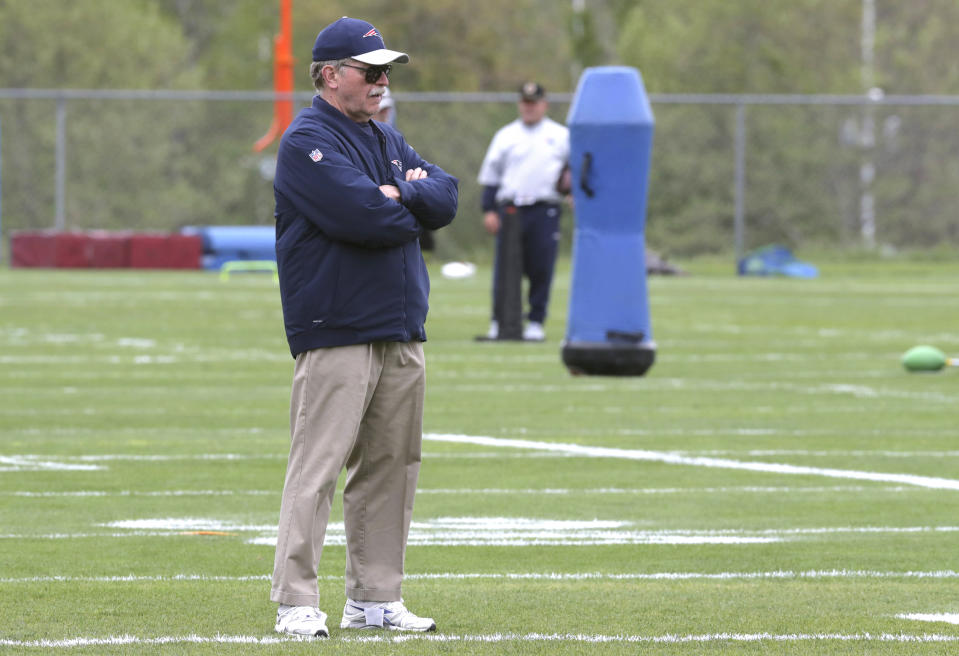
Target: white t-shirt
{"type": "Point", "coordinates": [525, 161]}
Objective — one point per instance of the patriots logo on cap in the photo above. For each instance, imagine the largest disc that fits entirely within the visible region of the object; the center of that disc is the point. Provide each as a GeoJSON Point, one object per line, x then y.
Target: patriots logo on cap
{"type": "Point", "coordinates": [316, 155]}
{"type": "Point", "coordinates": [372, 32]}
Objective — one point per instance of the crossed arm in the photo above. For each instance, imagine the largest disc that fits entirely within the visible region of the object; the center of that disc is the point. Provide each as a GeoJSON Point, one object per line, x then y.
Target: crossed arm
{"type": "Point", "coordinates": [393, 192]}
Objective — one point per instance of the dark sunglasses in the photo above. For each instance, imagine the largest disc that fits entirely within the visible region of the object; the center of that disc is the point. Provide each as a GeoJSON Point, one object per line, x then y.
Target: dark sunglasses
{"type": "Point", "coordinates": [373, 73]}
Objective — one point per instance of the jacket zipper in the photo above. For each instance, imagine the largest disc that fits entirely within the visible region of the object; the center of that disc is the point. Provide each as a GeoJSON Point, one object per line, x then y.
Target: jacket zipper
{"type": "Point", "coordinates": [385, 162]}
{"type": "Point", "coordinates": [389, 178]}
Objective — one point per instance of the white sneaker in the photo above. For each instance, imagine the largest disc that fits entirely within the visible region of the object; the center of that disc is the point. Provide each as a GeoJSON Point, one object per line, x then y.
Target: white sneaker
{"type": "Point", "coordinates": [493, 332]}
{"type": "Point", "coordinates": [301, 621]}
{"type": "Point", "coordinates": [534, 332]}
{"type": "Point", "coordinates": [391, 615]}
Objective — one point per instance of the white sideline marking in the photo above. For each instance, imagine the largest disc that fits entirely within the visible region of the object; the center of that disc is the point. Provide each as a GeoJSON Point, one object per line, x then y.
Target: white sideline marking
{"type": "Point", "coordinates": [663, 639]}
{"type": "Point", "coordinates": [706, 385]}
{"type": "Point", "coordinates": [422, 535]}
{"type": "Point", "coordinates": [186, 524]}
{"type": "Point", "coordinates": [463, 531]}
{"type": "Point", "coordinates": [34, 463]}
{"type": "Point", "coordinates": [687, 576]}
{"type": "Point", "coordinates": [79, 536]}
{"type": "Point", "coordinates": [778, 575]}
{"type": "Point", "coordinates": [950, 618]}
{"type": "Point", "coordinates": [165, 457]}
{"type": "Point", "coordinates": [458, 531]}
{"type": "Point", "coordinates": [136, 640]}
{"type": "Point", "coordinates": [494, 531]}
{"type": "Point", "coordinates": [676, 459]}
{"type": "Point", "coordinates": [745, 489]}
{"type": "Point", "coordinates": [635, 537]}
{"type": "Point", "coordinates": [477, 455]}
{"type": "Point", "coordinates": [661, 490]}
{"type": "Point", "coordinates": [823, 453]}
{"type": "Point", "coordinates": [134, 493]}
{"type": "Point", "coordinates": [176, 578]}
{"type": "Point", "coordinates": [65, 461]}
{"type": "Point", "coordinates": [492, 638]}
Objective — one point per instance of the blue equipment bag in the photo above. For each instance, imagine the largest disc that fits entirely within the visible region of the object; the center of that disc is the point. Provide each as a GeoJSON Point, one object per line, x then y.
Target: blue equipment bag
{"type": "Point", "coordinates": [222, 244]}
{"type": "Point", "coordinates": [775, 260]}
{"type": "Point", "coordinates": [611, 139]}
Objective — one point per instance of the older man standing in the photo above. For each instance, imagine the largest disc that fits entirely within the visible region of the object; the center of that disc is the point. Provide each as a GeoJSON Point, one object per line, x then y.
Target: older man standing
{"type": "Point", "coordinates": [352, 198]}
{"type": "Point", "coordinates": [521, 178]}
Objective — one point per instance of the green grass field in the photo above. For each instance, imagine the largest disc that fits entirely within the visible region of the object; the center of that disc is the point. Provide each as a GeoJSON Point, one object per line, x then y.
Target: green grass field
{"type": "Point", "coordinates": [556, 514]}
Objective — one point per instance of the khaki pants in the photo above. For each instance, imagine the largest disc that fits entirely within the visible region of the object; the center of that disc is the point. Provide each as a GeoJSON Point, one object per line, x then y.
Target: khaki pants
{"type": "Point", "coordinates": [359, 407]}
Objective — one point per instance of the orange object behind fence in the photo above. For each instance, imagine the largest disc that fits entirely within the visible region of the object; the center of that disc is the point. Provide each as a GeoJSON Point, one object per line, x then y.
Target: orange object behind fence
{"type": "Point", "coordinates": [282, 78]}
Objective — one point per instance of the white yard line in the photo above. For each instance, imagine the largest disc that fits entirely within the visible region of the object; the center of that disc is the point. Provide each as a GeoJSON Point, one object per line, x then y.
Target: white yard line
{"type": "Point", "coordinates": [948, 618]}
{"type": "Point", "coordinates": [130, 578]}
{"type": "Point", "coordinates": [653, 385]}
{"type": "Point", "coordinates": [465, 531]}
{"type": "Point", "coordinates": [491, 531]}
{"type": "Point", "coordinates": [747, 489]}
{"type": "Point", "coordinates": [663, 639]}
{"type": "Point", "coordinates": [386, 637]}
{"type": "Point", "coordinates": [34, 462]}
{"type": "Point", "coordinates": [512, 492]}
{"type": "Point", "coordinates": [825, 453]}
{"type": "Point", "coordinates": [526, 532]}
{"type": "Point", "coordinates": [167, 457]}
{"type": "Point", "coordinates": [697, 461]}
{"type": "Point", "coordinates": [177, 524]}
{"type": "Point", "coordinates": [135, 493]}
{"type": "Point", "coordinates": [46, 462]}
{"type": "Point", "coordinates": [41, 463]}
{"type": "Point", "coordinates": [774, 575]}
{"type": "Point", "coordinates": [136, 640]}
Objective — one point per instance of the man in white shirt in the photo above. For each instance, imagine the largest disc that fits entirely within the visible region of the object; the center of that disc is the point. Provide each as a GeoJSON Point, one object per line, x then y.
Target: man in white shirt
{"type": "Point", "coordinates": [519, 176]}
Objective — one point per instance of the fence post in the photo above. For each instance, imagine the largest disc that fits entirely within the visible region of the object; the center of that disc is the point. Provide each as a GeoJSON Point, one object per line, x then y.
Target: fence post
{"type": "Point", "coordinates": [61, 164]}
{"type": "Point", "coordinates": [739, 220]}
{"type": "Point", "coordinates": [1, 191]}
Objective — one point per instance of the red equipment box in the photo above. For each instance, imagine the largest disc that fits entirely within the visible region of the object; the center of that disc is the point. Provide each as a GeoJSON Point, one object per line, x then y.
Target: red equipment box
{"type": "Point", "coordinates": [109, 250]}
{"type": "Point", "coordinates": [161, 251]}
{"type": "Point", "coordinates": [49, 249]}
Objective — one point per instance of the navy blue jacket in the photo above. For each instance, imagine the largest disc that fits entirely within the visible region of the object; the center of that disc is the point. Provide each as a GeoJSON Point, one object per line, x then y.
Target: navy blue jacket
{"type": "Point", "coordinates": [351, 270]}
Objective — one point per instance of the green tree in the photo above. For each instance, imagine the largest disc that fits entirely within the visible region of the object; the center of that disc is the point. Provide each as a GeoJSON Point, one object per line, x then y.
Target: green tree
{"type": "Point", "coordinates": [749, 46]}
{"type": "Point", "coordinates": [916, 165]}
{"type": "Point", "coordinates": [230, 43]}
{"type": "Point", "coordinates": [129, 164]}
{"type": "Point", "coordinates": [753, 46]}
{"type": "Point", "coordinates": [803, 164]}
{"type": "Point", "coordinates": [455, 45]}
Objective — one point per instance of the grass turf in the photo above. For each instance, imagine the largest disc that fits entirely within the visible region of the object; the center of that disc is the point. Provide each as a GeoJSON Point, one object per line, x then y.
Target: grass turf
{"type": "Point", "coordinates": [158, 396]}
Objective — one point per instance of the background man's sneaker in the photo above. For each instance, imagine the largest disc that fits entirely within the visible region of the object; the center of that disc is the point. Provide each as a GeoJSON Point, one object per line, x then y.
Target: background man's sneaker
{"type": "Point", "coordinates": [490, 335]}
{"type": "Point", "coordinates": [390, 615]}
{"type": "Point", "coordinates": [301, 621]}
{"type": "Point", "coordinates": [534, 332]}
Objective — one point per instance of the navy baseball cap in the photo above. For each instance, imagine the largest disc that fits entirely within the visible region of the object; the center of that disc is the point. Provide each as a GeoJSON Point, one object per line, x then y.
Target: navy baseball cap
{"type": "Point", "coordinates": [351, 38]}
{"type": "Point", "coordinates": [532, 91]}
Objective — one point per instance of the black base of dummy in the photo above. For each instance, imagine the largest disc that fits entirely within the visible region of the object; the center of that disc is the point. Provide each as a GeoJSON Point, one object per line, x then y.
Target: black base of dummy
{"type": "Point", "coordinates": [605, 359]}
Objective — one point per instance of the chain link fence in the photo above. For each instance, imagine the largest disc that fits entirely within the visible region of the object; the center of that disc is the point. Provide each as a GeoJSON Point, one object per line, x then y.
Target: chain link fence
{"type": "Point", "coordinates": [729, 172]}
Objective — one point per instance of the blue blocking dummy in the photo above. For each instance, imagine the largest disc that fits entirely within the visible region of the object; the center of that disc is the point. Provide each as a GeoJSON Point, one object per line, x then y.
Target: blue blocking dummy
{"type": "Point", "coordinates": [611, 138]}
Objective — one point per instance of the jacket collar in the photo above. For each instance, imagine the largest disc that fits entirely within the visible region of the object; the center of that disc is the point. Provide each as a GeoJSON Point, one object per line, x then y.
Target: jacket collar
{"type": "Point", "coordinates": [341, 119]}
